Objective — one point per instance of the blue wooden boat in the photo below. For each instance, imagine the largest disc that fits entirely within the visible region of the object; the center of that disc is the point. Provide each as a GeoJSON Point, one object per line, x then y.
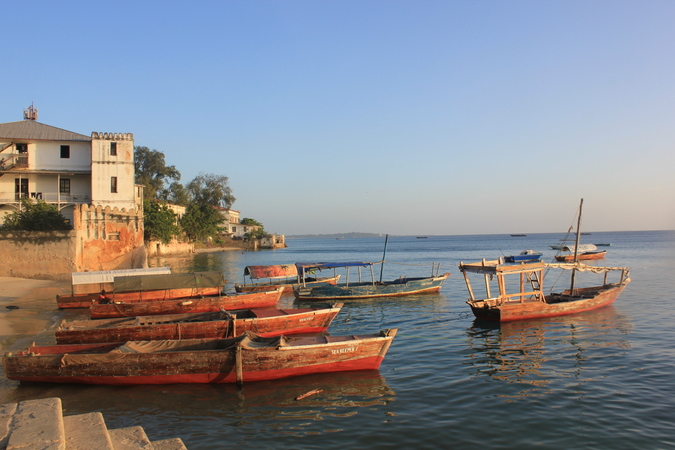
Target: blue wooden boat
{"type": "Point", "coordinates": [360, 289]}
{"type": "Point", "coordinates": [524, 256]}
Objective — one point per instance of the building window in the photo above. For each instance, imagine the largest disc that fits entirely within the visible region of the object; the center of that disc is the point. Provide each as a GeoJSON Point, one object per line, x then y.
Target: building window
{"type": "Point", "coordinates": [113, 236]}
{"type": "Point", "coordinates": [21, 148]}
{"type": "Point", "coordinates": [65, 151]}
{"type": "Point", "coordinates": [64, 186]}
{"type": "Point", "coordinates": [234, 229]}
{"type": "Point", "coordinates": [113, 184]}
{"type": "Point", "coordinates": [113, 149]}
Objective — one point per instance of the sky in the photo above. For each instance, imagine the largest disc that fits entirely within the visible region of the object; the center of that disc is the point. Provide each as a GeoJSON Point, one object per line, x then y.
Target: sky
{"type": "Point", "coordinates": [401, 117]}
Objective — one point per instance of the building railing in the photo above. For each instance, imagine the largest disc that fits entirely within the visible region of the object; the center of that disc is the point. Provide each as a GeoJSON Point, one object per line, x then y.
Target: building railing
{"type": "Point", "coordinates": [49, 197]}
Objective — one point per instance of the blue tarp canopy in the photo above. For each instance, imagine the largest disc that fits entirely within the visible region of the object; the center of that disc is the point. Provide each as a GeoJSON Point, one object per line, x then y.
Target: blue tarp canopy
{"type": "Point", "coordinates": [331, 265]}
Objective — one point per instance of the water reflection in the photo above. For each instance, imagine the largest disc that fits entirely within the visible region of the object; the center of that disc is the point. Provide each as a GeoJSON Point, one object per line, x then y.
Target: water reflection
{"type": "Point", "coordinates": [537, 352]}
{"type": "Point", "coordinates": [342, 394]}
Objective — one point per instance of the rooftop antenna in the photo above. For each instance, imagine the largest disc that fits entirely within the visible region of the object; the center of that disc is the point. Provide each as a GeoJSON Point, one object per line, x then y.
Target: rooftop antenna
{"type": "Point", "coordinates": [30, 113]}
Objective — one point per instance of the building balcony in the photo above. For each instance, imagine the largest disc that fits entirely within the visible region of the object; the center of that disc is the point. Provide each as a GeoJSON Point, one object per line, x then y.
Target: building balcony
{"type": "Point", "coordinates": [48, 197]}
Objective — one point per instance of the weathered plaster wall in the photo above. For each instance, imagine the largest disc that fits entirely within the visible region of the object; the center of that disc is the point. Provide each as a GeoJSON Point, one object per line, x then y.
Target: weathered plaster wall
{"type": "Point", "coordinates": [157, 248]}
{"type": "Point", "coordinates": [109, 238]}
{"type": "Point", "coordinates": [31, 254]}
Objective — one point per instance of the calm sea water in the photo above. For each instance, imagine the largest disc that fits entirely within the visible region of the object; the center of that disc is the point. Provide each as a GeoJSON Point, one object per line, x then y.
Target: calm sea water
{"type": "Point", "coordinates": [594, 380]}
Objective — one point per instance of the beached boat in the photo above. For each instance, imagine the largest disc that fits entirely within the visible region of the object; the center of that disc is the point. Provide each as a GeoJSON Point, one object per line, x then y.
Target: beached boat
{"type": "Point", "coordinates": [529, 300]}
{"type": "Point", "coordinates": [222, 324]}
{"type": "Point", "coordinates": [524, 256]}
{"type": "Point", "coordinates": [244, 358]}
{"type": "Point", "coordinates": [263, 299]}
{"type": "Point", "coordinates": [285, 276]}
{"type": "Point", "coordinates": [584, 252]}
{"type": "Point", "coordinates": [366, 289]}
{"type": "Point", "coordinates": [147, 287]}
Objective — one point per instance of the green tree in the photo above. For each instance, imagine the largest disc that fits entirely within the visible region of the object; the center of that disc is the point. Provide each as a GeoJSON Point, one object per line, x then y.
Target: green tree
{"type": "Point", "coordinates": [160, 222]}
{"type": "Point", "coordinates": [152, 171]}
{"type": "Point", "coordinates": [38, 216]}
{"type": "Point", "coordinates": [201, 221]}
{"type": "Point", "coordinates": [210, 189]}
{"type": "Point", "coordinates": [177, 194]}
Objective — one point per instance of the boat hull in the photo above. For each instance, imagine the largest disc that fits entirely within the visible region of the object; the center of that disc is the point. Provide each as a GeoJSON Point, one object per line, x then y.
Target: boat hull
{"type": "Point", "coordinates": [264, 322]}
{"type": "Point", "coordinates": [522, 258]}
{"type": "Point", "coordinates": [86, 300]}
{"type": "Point", "coordinates": [355, 291]}
{"type": "Point", "coordinates": [287, 287]}
{"type": "Point", "coordinates": [598, 297]}
{"type": "Point", "coordinates": [97, 364]}
{"type": "Point", "coordinates": [264, 299]}
{"type": "Point", "coordinates": [582, 256]}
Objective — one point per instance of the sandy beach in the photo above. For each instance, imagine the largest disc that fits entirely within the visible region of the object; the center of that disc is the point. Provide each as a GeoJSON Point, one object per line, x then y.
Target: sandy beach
{"type": "Point", "coordinates": [27, 308]}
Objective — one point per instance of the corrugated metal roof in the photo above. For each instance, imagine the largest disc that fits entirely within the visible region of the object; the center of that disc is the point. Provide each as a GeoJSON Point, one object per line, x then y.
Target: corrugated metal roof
{"type": "Point", "coordinates": [32, 130]}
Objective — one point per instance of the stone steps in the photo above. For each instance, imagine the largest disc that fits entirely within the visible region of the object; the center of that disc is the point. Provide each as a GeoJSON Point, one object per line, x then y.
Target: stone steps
{"type": "Point", "coordinates": [40, 425]}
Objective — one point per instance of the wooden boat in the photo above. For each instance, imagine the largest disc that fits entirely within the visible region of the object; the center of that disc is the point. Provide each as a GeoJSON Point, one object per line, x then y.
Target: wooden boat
{"type": "Point", "coordinates": [263, 299]}
{"type": "Point", "coordinates": [524, 256]}
{"type": "Point", "coordinates": [371, 289]}
{"type": "Point", "coordinates": [518, 235]}
{"type": "Point", "coordinates": [583, 252]}
{"type": "Point", "coordinates": [529, 300]}
{"type": "Point", "coordinates": [285, 275]}
{"type": "Point", "coordinates": [130, 287]}
{"type": "Point", "coordinates": [244, 358]}
{"type": "Point", "coordinates": [603, 244]}
{"type": "Point", "coordinates": [222, 324]}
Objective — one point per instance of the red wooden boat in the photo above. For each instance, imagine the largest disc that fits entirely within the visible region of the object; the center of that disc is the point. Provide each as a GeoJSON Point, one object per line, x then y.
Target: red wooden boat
{"type": "Point", "coordinates": [264, 299]}
{"type": "Point", "coordinates": [585, 256]}
{"type": "Point", "coordinates": [245, 358]}
{"type": "Point", "coordinates": [528, 300]}
{"type": "Point", "coordinates": [285, 275]}
{"type": "Point", "coordinates": [264, 322]}
{"type": "Point", "coordinates": [146, 288]}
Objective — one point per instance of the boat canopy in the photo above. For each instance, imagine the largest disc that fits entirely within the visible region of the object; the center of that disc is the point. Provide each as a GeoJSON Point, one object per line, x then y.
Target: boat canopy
{"type": "Point", "coordinates": [582, 248]}
{"type": "Point", "coordinates": [331, 265]}
{"type": "Point", "coordinates": [278, 271]}
{"type": "Point", "coordinates": [169, 281]}
{"type": "Point", "coordinates": [108, 276]}
{"type": "Point", "coordinates": [581, 267]}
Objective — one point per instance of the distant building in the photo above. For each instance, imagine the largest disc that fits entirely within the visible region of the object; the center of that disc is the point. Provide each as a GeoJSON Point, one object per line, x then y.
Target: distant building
{"type": "Point", "coordinates": [232, 226]}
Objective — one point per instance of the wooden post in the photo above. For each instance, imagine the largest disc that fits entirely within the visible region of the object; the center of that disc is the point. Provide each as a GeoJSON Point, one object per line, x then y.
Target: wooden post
{"type": "Point", "coordinates": [487, 283]}
{"type": "Point", "coordinates": [522, 287]}
{"type": "Point", "coordinates": [468, 283]}
{"type": "Point", "coordinates": [239, 365]}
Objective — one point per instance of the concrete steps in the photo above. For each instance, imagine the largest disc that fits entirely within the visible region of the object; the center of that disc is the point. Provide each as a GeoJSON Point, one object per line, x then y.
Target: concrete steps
{"type": "Point", "coordinates": [40, 425]}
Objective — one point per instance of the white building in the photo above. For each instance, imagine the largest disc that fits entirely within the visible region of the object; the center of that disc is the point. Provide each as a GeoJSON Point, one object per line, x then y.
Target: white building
{"type": "Point", "coordinates": [65, 168]}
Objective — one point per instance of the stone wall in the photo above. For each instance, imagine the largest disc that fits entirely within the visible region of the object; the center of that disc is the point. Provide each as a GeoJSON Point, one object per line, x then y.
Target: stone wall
{"type": "Point", "coordinates": [38, 254]}
{"type": "Point", "coordinates": [103, 239]}
{"type": "Point", "coordinates": [157, 248]}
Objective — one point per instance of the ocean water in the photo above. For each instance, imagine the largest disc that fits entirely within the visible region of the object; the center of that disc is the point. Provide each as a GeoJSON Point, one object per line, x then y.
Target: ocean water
{"type": "Point", "coordinates": [602, 379]}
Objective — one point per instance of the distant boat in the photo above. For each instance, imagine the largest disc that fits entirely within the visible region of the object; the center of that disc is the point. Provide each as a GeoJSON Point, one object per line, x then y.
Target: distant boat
{"type": "Point", "coordinates": [603, 245]}
{"type": "Point", "coordinates": [529, 301]}
{"type": "Point", "coordinates": [524, 256]}
{"type": "Point", "coordinates": [584, 252]}
{"type": "Point", "coordinates": [518, 235]}
{"type": "Point", "coordinates": [421, 237]}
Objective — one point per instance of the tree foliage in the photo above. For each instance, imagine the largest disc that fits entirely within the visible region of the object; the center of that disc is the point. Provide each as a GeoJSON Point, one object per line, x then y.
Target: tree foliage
{"type": "Point", "coordinates": [160, 222]}
{"type": "Point", "coordinates": [210, 189]}
{"type": "Point", "coordinates": [152, 171]}
{"type": "Point", "coordinates": [36, 216]}
{"type": "Point", "coordinates": [201, 221]}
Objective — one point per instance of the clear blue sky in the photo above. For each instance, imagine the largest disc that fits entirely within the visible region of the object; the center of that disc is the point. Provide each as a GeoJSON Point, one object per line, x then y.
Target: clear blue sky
{"type": "Point", "coordinates": [401, 117]}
